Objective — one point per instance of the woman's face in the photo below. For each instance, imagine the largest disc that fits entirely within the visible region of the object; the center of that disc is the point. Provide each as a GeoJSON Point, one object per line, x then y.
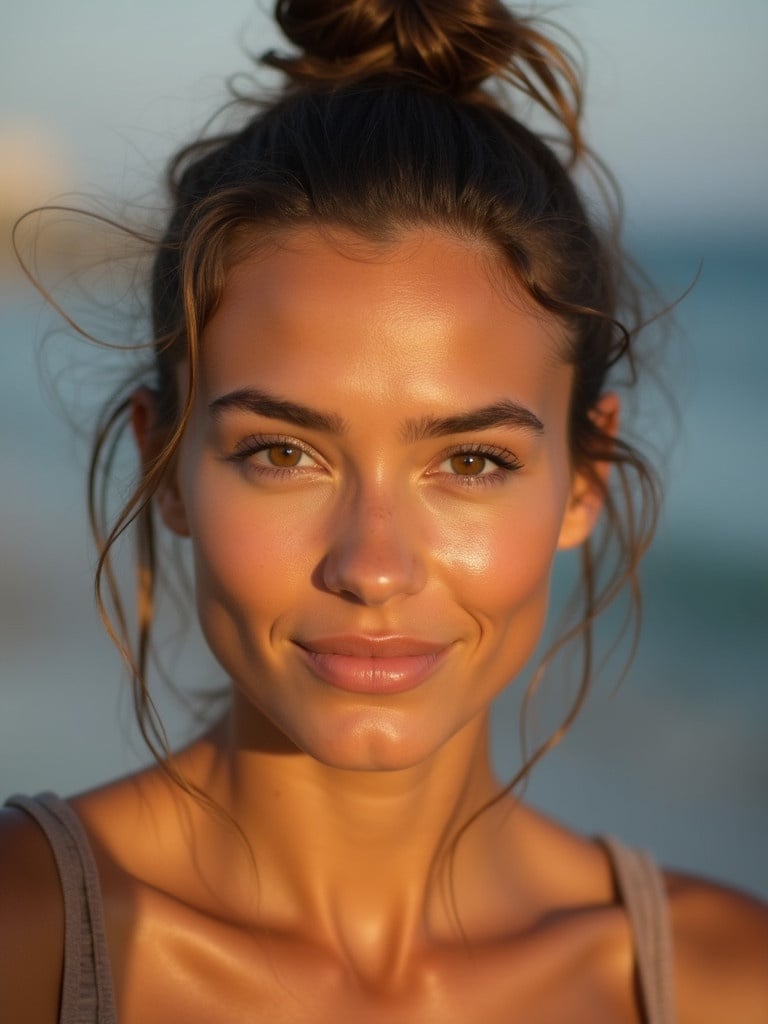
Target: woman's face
{"type": "Point", "coordinates": [375, 480]}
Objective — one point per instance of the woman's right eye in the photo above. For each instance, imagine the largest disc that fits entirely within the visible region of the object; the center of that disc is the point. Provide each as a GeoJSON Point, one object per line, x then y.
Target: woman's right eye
{"type": "Point", "coordinates": [284, 456]}
{"type": "Point", "coordinates": [270, 454]}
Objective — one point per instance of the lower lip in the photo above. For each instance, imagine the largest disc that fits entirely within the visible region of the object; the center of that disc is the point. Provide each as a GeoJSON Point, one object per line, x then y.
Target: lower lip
{"type": "Point", "coordinates": [374, 675]}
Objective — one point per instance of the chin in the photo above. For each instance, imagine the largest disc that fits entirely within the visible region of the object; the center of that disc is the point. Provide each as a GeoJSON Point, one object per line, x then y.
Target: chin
{"type": "Point", "coordinates": [375, 757]}
{"type": "Point", "coordinates": [376, 741]}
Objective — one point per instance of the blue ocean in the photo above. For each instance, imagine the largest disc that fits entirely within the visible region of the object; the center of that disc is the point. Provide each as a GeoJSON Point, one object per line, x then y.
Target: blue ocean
{"type": "Point", "coordinates": [675, 759]}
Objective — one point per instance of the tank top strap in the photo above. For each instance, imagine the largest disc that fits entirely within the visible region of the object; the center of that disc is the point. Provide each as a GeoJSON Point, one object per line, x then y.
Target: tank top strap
{"type": "Point", "coordinates": [641, 888]}
{"type": "Point", "coordinates": [87, 995]}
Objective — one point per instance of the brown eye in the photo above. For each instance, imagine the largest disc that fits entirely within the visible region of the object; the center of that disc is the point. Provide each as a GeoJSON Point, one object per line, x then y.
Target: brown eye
{"type": "Point", "coordinates": [284, 455]}
{"type": "Point", "coordinates": [468, 464]}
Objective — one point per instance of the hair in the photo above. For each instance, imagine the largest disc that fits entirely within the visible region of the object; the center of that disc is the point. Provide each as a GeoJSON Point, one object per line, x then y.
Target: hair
{"type": "Point", "coordinates": [391, 118]}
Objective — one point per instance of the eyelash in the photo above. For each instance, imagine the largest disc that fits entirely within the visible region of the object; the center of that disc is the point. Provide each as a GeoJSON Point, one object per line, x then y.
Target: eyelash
{"type": "Point", "coordinates": [505, 461]}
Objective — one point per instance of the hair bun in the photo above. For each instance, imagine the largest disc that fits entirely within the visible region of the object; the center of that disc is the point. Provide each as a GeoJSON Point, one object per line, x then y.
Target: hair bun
{"type": "Point", "coordinates": [433, 41]}
{"type": "Point", "coordinates": [452, 46]}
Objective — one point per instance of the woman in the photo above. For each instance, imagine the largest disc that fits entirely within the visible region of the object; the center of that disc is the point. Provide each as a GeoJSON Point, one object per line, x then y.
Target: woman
{"type": "Point", "coordinates": [386, 342]}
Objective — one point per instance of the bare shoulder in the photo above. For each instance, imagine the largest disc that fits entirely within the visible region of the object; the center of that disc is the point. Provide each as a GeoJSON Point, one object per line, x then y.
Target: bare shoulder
{"type": "Point", "coordinates": [721, 952]}
{"type": "Point", "coordinates": [31, 922]}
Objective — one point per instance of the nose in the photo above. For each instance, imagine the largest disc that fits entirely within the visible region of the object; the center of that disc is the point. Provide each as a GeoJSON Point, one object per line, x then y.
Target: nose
{"type": "Point", "coordinates": [375, 554]}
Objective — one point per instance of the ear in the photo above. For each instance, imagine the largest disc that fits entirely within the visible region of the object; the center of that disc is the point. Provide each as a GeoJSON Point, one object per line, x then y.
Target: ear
{"type": "Point", "coordinates": [588, 490]}
{"type": "Point", "coordinates": [150, 440]}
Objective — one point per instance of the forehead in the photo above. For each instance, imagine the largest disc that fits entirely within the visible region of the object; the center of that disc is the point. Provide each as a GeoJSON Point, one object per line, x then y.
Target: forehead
{"type": "Point", "coordinates": [425, 315]}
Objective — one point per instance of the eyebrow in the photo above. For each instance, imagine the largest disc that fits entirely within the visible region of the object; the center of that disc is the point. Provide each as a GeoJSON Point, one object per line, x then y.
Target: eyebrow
{"type": "Point", "coordinates": [505, 412]}
{"type": "Point", "coordinates": [264, 404]}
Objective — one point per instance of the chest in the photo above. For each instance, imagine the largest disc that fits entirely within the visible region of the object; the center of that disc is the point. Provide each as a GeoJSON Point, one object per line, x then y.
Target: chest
{"type": "Point", "coordinates": [214, 974]}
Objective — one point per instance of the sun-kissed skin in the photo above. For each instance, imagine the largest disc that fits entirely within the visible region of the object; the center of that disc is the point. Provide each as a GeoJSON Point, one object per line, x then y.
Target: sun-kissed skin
{"type": "Point", "coordinates": [377, 522]}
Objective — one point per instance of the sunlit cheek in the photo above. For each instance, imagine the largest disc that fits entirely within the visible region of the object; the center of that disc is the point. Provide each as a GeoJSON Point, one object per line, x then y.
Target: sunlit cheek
{"type": "Point", "coordinates": [500, 558]}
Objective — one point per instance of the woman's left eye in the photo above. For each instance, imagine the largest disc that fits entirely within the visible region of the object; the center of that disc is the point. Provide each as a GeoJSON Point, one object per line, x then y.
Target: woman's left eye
{"type": "Point", "coordinates": [469, 464]}
{"type": "Point", "coordinates": [480, 464]}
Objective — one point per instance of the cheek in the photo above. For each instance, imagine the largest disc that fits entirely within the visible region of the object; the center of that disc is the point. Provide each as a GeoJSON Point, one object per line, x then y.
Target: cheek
{"type": "Point", "coordinates": [502, 556]}
{"type": "Point", "coordinates": [248, 550]}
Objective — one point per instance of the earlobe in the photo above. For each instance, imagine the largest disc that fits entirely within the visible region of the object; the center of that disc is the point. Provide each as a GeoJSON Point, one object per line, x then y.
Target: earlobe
{"type": "Point", "coordinates": [588, 488]}
{"type": "Point", "coordinates": [150, 441]}
{"type": "Point", "coordinates": [582, 513]}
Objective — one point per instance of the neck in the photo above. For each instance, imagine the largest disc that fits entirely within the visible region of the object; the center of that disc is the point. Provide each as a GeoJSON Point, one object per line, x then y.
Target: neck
{"type": "Point", "coordinates": [361, 860]}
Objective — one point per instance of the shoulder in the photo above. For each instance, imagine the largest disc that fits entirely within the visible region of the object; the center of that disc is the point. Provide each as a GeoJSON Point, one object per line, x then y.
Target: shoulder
{"type": "Point", "coordinates": [721, 952]}
{"type": "Point", "coordinates": [31, 921]}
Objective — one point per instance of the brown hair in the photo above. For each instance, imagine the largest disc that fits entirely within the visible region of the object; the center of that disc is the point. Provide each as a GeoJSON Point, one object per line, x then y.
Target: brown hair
{"type": "Point", "coordinates": [388, 120]}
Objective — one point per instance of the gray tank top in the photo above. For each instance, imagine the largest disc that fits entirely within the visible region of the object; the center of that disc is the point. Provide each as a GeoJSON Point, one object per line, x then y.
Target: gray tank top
{"type": "Point", "coordinates": [87, 995]}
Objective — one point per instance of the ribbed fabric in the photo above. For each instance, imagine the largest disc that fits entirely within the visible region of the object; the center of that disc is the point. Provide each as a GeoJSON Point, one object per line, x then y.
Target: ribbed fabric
{"type": "Point", "coordinates": [641, 889]}
{"type": "Point", "coordinates": [87, 996]}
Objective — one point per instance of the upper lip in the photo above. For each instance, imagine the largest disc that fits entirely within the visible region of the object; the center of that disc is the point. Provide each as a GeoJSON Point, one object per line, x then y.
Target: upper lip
{"type": "Point", "coordinates": [357, 646]}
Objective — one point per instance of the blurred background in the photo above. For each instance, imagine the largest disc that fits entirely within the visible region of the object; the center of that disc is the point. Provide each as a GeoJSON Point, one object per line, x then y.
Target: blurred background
{"type": "Point", "coordinates": [94, 97]}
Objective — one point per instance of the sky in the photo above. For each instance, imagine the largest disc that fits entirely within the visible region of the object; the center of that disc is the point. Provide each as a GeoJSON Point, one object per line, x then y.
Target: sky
{"type": "Point", "coordinates": [99, 93]}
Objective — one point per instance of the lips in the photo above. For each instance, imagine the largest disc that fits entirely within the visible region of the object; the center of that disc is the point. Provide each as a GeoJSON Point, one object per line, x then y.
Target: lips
{"type": "Point", "coordinates": [373, 664]}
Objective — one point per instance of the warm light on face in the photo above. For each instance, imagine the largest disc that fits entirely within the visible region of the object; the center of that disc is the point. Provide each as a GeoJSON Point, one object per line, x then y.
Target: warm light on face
{"type": "Point", "coordinates": [377, 456]}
